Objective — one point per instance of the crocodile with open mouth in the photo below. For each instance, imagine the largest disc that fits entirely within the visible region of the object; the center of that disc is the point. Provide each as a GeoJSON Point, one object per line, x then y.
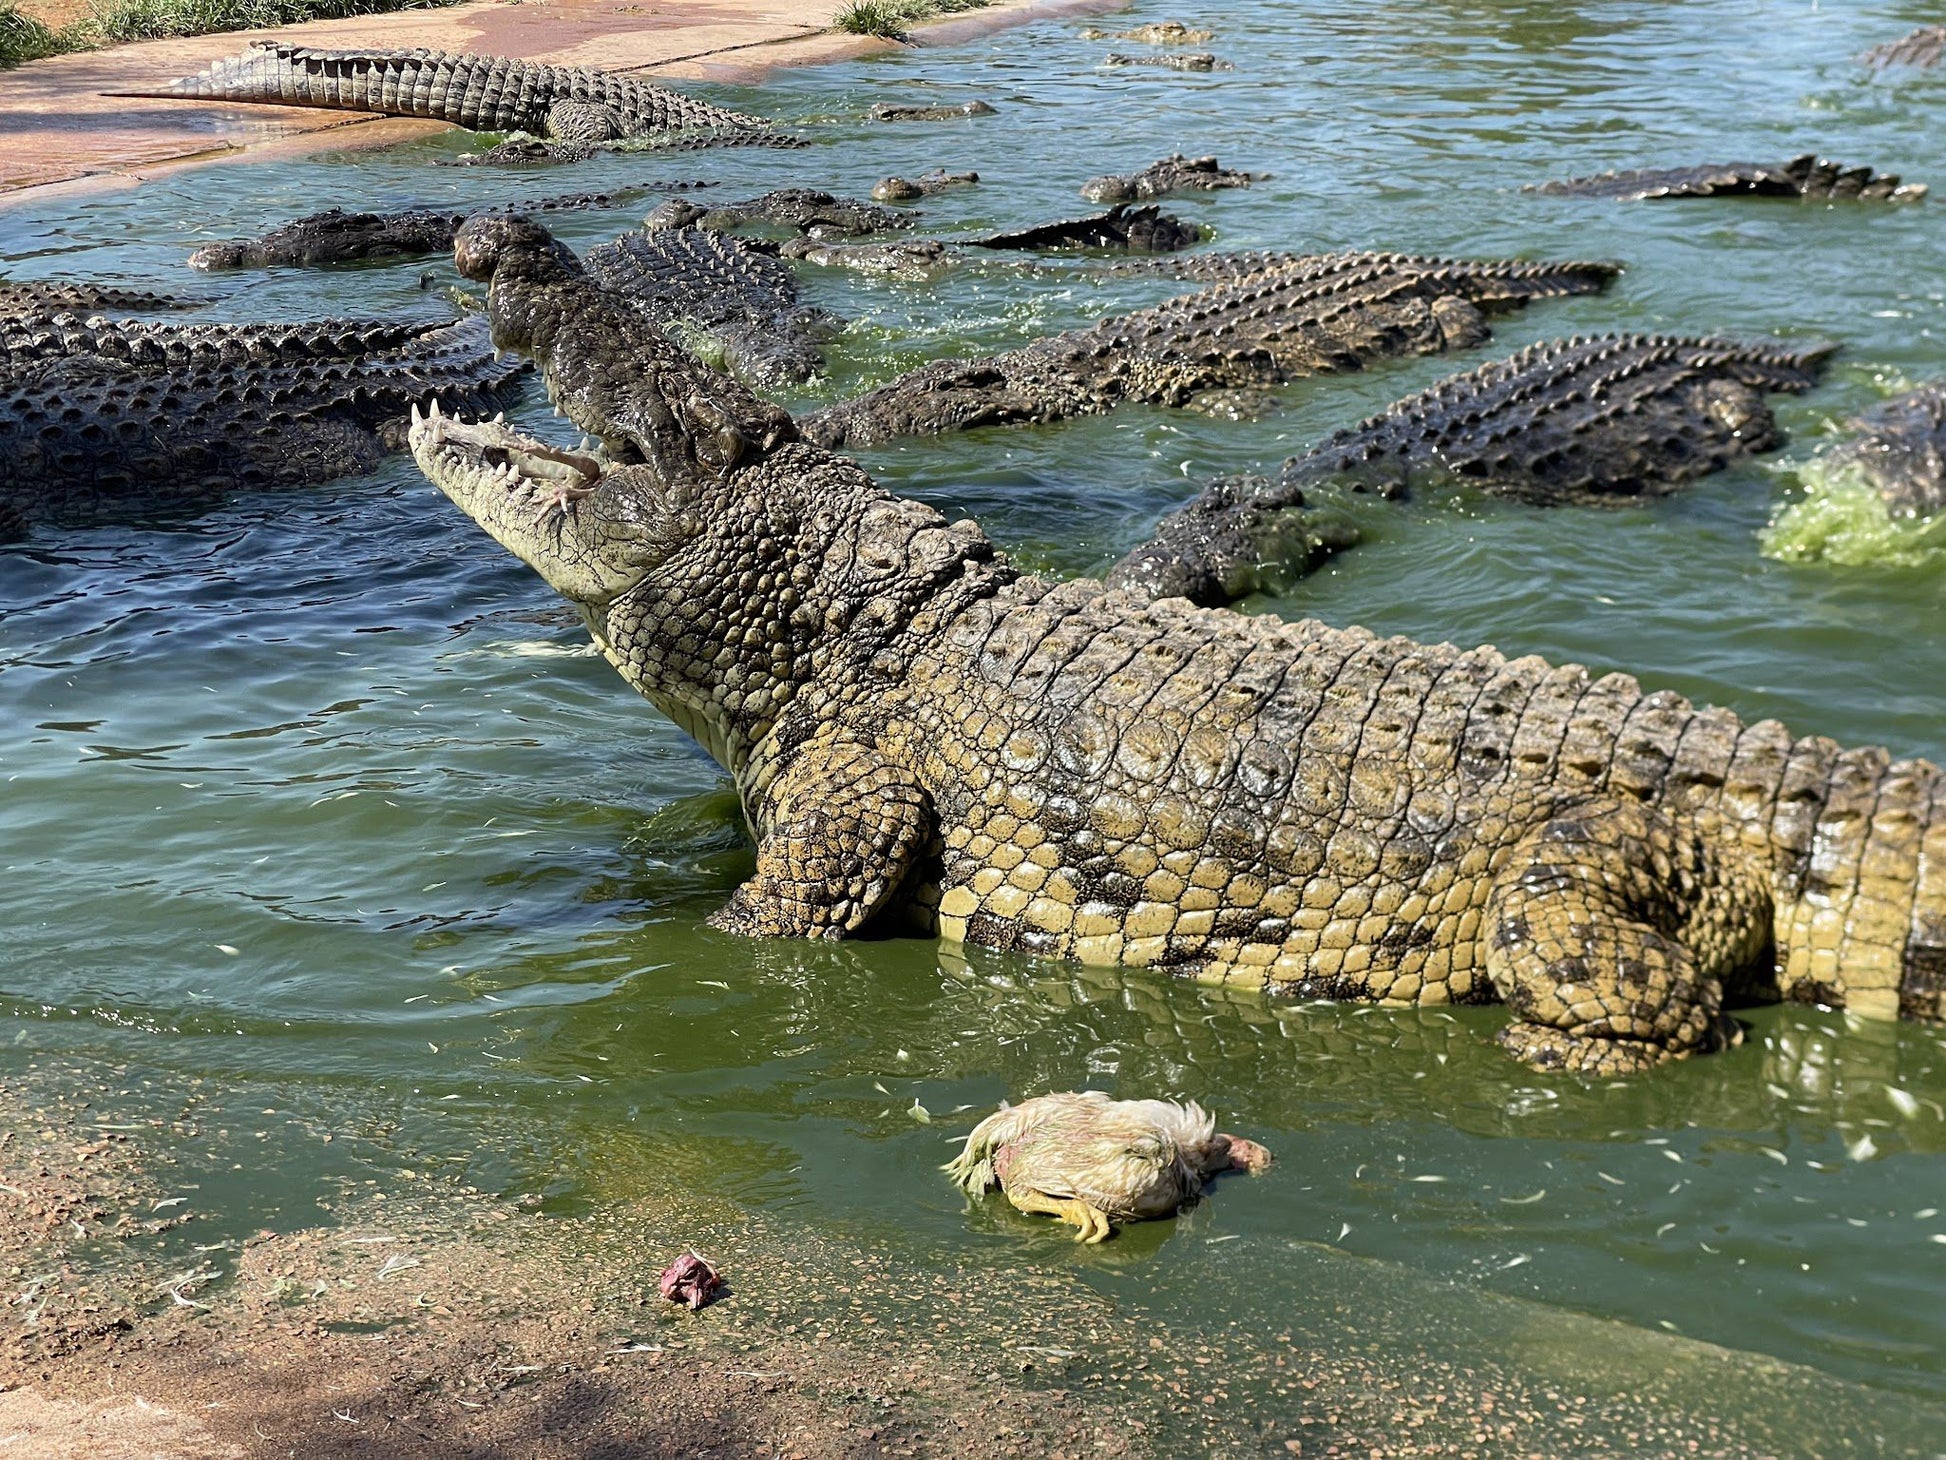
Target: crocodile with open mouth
{"type": "Point", "coordinates": [918, 730]}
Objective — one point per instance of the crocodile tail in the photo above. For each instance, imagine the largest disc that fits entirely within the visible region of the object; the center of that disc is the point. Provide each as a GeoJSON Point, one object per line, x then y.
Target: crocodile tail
{"type": "Point", "coordinates": [1857, 850]}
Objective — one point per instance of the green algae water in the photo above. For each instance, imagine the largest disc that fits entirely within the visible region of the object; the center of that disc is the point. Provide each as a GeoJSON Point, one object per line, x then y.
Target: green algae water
{"type": "Point", "coordinates": [320, 797]}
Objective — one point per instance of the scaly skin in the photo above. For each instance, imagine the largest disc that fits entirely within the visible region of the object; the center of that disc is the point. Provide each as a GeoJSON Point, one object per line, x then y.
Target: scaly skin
{"type": "Point", "coordinates": [917, 729]}
{"type": "Point", "coordinates": [87, 437]}
{"type": "Point", "coordinates": [1133, 230]}
{"type": "Point", "coordinates": [735, 291]}
{"type": "Point", "coordinates": [1187, 61]}
{"type": "Point", "coordinates": [153, 344]}
{"type": "Point", "coordinates": [1162, 33]}
{"type": "Point", "coordinates": [1921, 47]}
{"type": "Point", "coordinates": [1270, 319]}
{"type": "Point", "coordinates": [51, 296]}
{"type": "Point", "coordinates": [1809, 176]}
{"type": "Point", "coordinates": [812, 213]}
{"type": "Point", "coordinates": [1589, 421]}
{"type": "Point", "coordinates": [935, 180]}
{"type": "Point", "coordinates": [917, 258]}
{"type": "Point", "coordinates": [1900, 449]}
{"type": "Point", "coordinates": [336, 237]}
{"type": "Point", "coordinates": [483, 93]}
{"type": "Point", "coordinates": [1173, 174]}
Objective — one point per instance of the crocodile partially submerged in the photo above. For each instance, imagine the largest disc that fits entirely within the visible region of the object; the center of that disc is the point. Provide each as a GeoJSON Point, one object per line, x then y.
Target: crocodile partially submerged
{"type": "Point", "coordinates": [934, 180]}
{"type": "Point", "coordinates": [1589, 421]}
{"type": "Point", "coordinates": [734, 291]}
{"type": "Point", "coordinates": [1921, 47]}
{"type": "Point", "coordinates": [1123, 227]}
{"type": "Point", "coordinates": [1899, 449]}
{"type": "Point", "coordinates": [919, 731]}
{"type": "Point", "coordinates": [68, 296]}
{"type": "Point", "coordinates": [1275, 319]}
{"type": "Point", "coordinates": [1173, 174]}
{"type": "Point", "coordinates": [887, 111]}
{"type": "Point", "coordinates": [1181, 61]}
{"type": "Point", "coordinates": [168, 424]}
{"type": "Point", "coordinates": [904, 258]}
{"type": "Point", "coordinates": [337, 237]}
{"type": "Point", "coordinates": [574, 104]}
{"type": "Point", "coordinates": [1808, 176]}
{"type": "Point", "coordinates": [1161, 33]}
{"type": "Point", "coordinates": [808, 211]}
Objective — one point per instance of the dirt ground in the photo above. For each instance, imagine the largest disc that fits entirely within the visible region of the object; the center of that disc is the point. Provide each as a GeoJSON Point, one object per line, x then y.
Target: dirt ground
{"type": "Point", "coordinates": [54, 13]}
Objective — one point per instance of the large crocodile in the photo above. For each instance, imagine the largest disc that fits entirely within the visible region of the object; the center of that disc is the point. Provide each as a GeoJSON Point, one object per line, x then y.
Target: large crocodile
{"type": "Point", "coordinates": [574, 104]}
{"type": "Point", "coordinates": [91, 434]}
{"type": "Point", "coordinates": [64, 296]}
{"type": "Point", "coordinates": [336, 237]}
{"type": "Point", "coordinates": [1808, 176]}
{"type": "Point", "coordinates": [809, 211]}
{"type": "Point", "coordinates": [1899, 448]}
{"type": "Point", "coordinates": [917, 728]}
{"type": "Point", "coordinates": [1595, 420]}
{"type": "Point", "coordinates": [736, 292]}
{"type": "Point", "coordinates": [137, 344]}
{"type": "Point", "coordinates": [1123, 227]}
{"type": "Point", "coordinates": [1274, 318]}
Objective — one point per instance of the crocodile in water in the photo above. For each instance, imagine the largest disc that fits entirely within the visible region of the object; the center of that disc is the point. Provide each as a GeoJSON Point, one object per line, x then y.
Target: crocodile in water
{"type": "Point", "coordinates": [60, 296]}
{"type": "Point", "coordinates": [914, 258]}
{"type": "Point", "coordinates": [573, 104]}
{"type": "Point", "coordinates": [810, 212]}
{"type": "Point", "coordinates": [150, 423]}
{"type": "Point", "coordinates": [905, 190]}
{"type": "Point", "coordinates": [1162, 33]}
{"type": "Point", "coordinates": [1900, 450]}
{"type": "Point", "coordinates": [1278, 319]}
{"type": "Point", "coordinates": [1173, 174]}
{"type": "Point", "coordinates": [916, 728]}
{"type": "Point", "coordinates": [336, 237]}
{"type": "Point", "coordinates": [897, 112]}
{"type": "Point", "coordinates": [1130, 229]}
{"type": "Point", "coordinates": [733, 290]}
{"type": "Point", "coordinates": [1809, 176]}
{"type": "Point", "coordinates": [1921, 47]}
{"type": "Point", "coordinates": [1184, 61]}
{"type": "Point", "coordinates": [1586, 421]}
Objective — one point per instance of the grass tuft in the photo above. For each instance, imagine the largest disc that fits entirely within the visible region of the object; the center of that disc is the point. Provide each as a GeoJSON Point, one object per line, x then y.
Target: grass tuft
{"type": "Point", "coordinates": [890, 18]}
{"type": "Point", "coordinates": [23, 38]}
{"type": "Point", "coordinates": [142, 20]}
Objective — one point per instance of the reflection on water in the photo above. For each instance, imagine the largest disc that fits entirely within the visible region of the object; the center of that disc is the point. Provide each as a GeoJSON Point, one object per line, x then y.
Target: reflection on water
{"type": "Point", "coordinates": [322, 789]}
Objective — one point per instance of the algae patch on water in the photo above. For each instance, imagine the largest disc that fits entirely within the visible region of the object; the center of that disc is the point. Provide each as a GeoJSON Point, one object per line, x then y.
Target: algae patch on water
{"type": "Point", "coordinates": [1842, 519]}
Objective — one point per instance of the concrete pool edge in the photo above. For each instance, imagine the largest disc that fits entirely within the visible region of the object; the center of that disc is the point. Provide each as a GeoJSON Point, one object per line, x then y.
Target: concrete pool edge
{"type": "Point", "coordinates": [69, 137]}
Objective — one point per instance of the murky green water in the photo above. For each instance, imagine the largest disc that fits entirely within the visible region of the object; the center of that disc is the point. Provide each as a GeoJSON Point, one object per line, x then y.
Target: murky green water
{"type": "Point", "coordinates": [319, 789]}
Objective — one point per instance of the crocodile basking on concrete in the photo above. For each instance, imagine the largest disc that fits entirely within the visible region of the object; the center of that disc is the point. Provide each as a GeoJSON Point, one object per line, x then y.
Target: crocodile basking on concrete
{"type": "Point", "coordinates": [734, 291]}
{"type": "Point", "coordinates": [573, 104]}
{"type": "Point", "coordinates": [918, 730]}
{"type": "Point", "coordinates": [1590, 421]}
{"type": "Point", "coordinates": [1173, 174]}
{"type": "Point", "coordinates": [337, 237]}
{"type": "Point", "coordinates": [148, 423]}
{"type": "Point", "coordinates": [1279, 318]}
{"type": "Point", "coordinates": [1809, 176]}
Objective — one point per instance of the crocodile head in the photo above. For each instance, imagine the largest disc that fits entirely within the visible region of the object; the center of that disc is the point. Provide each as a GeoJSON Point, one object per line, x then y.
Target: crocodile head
{"type": "Point", "coordinates": [591, 529]}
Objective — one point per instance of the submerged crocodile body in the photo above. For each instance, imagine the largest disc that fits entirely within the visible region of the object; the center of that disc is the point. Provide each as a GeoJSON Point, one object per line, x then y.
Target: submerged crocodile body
{"type": "Point", "coordinates": [934, 180]}
{"type": "Point", "coordinates": [1182, 61]}
{"type": "Point", "coordinates": [1921, 47]}
{"type": "Point", "coordinates": [1173, 174]}
{"type": "Point", "coordinates": [916, 728]}
{"type": "Point", "coordinates": [736, 292]}
{"type": "Point", "coordinates": [482, 93]}
{"type": "Point", "coordinates": [1162, 33]}
{"type": "Point", "coordinates": [1899, 448]}
{"type": "Point", "coordinates": [54, 296]}
{"type": "Point", "coordinates": [913, 258]}
{"type": "Point", "coordinates": [1809, 176]}
{"type": "Point", "coordinates": [887, 111]}
{"type": "Point", "coordinates": [810, 212]}
{"type": "Point", "coordinates": [337, 237]}
{"type": "Point", "coordinates": [151, 422]}
{"type": "Point", "coordinates": [1588, 421]}
{"type": "Point", "coordinates": [1123, 227]}
{"type": "Point", "coordinates": [1271, 319]}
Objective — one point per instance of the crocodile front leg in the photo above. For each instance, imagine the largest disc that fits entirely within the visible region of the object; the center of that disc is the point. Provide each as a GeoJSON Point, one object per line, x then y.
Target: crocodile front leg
{"type": "Point", "coordinates": [1610, 934]}
{"type": "Point", "coordinates": [844, 827]}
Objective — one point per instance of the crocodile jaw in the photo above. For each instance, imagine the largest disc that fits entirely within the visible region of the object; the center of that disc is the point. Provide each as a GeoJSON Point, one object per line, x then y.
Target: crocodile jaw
{"type": "Point", "coordinates": [585, 528]}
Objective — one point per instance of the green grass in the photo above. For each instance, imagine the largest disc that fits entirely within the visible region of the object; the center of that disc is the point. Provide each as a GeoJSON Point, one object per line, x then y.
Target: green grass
{"type": "Point", "coordinates": [23, 38]}
{"type": "Point", "coordinates": [889, 18]}
{"type": "Point", "coordinates": [142, 20]}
